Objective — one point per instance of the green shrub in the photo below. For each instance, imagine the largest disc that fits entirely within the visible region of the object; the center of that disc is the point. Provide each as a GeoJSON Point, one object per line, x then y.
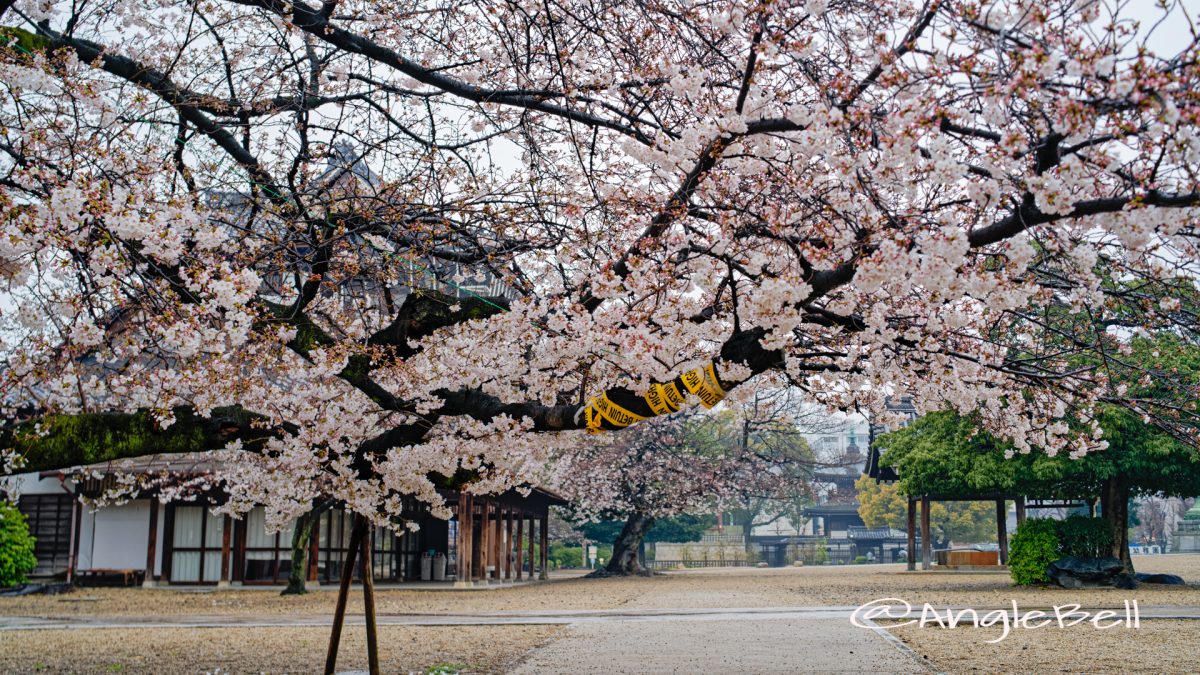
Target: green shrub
{"type": "Point", "coordinates": [563, 556]}
{"type": "Point", "coordinates": [16, 547]}
{"type": "Point", "coordinates": [860, 560]}
{"type": "Point", "coordinates": [1084, 537]}
{"type": "Point", "coordinates": [1034, 546]}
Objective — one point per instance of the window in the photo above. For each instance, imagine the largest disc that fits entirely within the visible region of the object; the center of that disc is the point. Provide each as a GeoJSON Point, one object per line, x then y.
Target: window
{"type": "Point", "coordinates": [196, 539]}
{"type": "Point", "coordinates": [49, 518]}
{"type": "Point", "coordinates": [334, 542]}
{"type": "Point", "coordinates": [268, 556]}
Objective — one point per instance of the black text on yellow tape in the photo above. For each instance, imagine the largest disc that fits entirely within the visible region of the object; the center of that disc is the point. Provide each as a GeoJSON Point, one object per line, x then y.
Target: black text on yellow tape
{"type": "Point", "coordinates": [703, 383]}
{"type": "Point", "coordinates": [664, 398]}
{"type": "Point", "coordinates": [615, 414]}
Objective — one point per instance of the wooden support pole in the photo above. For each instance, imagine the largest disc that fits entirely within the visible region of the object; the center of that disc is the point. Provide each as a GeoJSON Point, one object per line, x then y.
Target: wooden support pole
{"type": "Point", "coordinates": [544, 544]}
{"type": "Point", "coordinates": [485, 544]}
{"type": "Point", "coordinates": [1002, 529]}
{"type": "Point", "coordinates": [533, 561]}
{"type": "Point", "coordinates": [1020, 505]}
{"type": "Point", "coordinates": [926, 542]}
{"type": "Point", "coordinates": [912, 534]}
{"type": "Point", "coordinates": [339, 612]}
{"type": "Point", "coordinates": [76, 526]}
{"type": "Point", "coordinates": [508, 545]}
{"type": "Point", "coordinates": [497, 544]}
{"type": "Point", "coordinates": [151, 544]}
{"type": "Point", "coordinates": [462, 547]}
{"type": "Point", "coordinates": [226, 550]}
{"type": "Point", "coordinates": [314, 552]}
{"type": "Point", "coordinates": [368, 581]}
{"type": "Point", "coordinates": [519, 543]}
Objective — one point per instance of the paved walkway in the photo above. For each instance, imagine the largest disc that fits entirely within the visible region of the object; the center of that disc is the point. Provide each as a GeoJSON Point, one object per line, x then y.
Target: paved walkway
{"type": "Point", "coordinates": [748, 645]}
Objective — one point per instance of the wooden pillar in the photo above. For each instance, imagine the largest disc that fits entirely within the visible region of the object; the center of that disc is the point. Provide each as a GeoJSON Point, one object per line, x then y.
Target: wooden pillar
{"type": "Point", "coordinates": [1020, 504]}
{"type": "Point", "coordinates": [485, 538]}
{"type": "Point", "coordinates": [532, 560]}
{"type": "Point", "coordinates": [497, 543]}
{"type": "Point", "coordinates": [508, 545]}
{"type": "Point", "coordinates": [545, 546]}
{"type": "Point", "coordinates": [151, 544]}
{"type": "Point", "coordinates": [76, 526]}
{"type": "Point", "coordinates": [1002, 529]}
{"type": "Point", "coordinates": [226, 550]}
{"type": "Point", "coordinates": [239, 552]}
{"type": "Point", "coordinates": [912, 534]}
{"type": "Point", "coordinates": [519, 542]}
{"type": "Point", "coordinates": [926, 542]}
{"type": "Point", "coordinates": [461, 554]}
{"type": "Point", "coordinates": [478, 535]}
{"type": "Point", "coordinates": [312, 578]}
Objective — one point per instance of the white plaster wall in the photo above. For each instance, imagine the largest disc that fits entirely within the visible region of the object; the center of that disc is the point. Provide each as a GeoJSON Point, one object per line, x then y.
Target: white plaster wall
{"type": "Point", "coordinates": [31, 484]}
{"type": "Point", "coordinates": [116, 537]}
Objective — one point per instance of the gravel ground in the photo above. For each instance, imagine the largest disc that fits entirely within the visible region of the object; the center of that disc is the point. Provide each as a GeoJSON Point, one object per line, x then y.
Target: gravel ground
{"type": "Point", "coordinates": [1159, 646]}
{"type": "Point", "coordinates": [729, 587]}
{"type": "Point", "coordinates": [480, 649]}
{"type": "Point", "coordinates": [1170, 645]}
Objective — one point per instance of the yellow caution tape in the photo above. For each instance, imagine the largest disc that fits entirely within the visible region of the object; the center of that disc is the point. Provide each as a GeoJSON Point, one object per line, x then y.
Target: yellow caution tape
{"type": "Point", "coordinates": [593, 420]}
{"type": "Point", "coordinates": [703, 383]}
{"type": "Point", "coordinates": [664, 398]}
{"type": "Point", "coordinates": [615, 414]}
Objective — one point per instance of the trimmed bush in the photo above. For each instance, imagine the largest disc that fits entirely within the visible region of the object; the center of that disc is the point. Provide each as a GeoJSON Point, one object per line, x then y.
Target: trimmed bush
{"type": "Point", "coordinates": [1034, 546]}
{"type": "Point", "coordinates": [16, 547]}
{"type": "Point", "coordinates": [1084, 537]}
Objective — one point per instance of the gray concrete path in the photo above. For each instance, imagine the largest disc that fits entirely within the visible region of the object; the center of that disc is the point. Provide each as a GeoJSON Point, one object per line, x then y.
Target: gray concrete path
{"type": "Point", "coordinates": [745, 646]}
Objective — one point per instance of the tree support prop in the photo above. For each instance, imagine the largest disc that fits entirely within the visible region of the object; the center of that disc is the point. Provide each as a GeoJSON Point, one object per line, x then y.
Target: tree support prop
{"type": "Point", "coordinates": [360, 544]}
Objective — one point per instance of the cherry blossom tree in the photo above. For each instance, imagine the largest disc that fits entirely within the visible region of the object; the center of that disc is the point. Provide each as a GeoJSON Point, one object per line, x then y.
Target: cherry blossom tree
{"type": "Point", "coordinates": [220, 220]}
{"type": "Point", "coordinates": [684, 463]}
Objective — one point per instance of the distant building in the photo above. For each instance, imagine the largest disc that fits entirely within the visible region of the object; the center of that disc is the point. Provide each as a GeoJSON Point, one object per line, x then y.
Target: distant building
{"type": "Point", "coordinates": [182, 542]}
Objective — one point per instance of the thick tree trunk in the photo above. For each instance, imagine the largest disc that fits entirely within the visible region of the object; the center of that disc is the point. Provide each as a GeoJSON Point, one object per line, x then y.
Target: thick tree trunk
{"type": "Point", "coordinates": [625, 560]}
{"type": "Point", "coordinates": [748, 535]}
{"type": "Point", "coordinates": [1114, 508]}
{"type": "Point", "coordinates": [301, 535]}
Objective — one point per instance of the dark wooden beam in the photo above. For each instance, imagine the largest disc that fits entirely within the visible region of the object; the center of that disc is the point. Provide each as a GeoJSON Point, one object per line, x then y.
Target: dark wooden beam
{"type": "Point", "coordinates": [926, 542]}
{"type": "Point", "coordinates": [1002, 529]}
{"type": "Point", "coordinates": [912, 534]}
{"type": "Point", "coordinates": [518, 545]}
{"type": "Point", "coordinates": [544, 544]}
{"type": "Point", "coordinates": [151, 544]}
{"type": "Point", "coordinates": [226, 550]}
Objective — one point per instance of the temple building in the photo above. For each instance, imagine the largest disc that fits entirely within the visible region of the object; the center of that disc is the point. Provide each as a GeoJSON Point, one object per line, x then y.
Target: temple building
{"type": "Point", "coordinates": [494, 538]}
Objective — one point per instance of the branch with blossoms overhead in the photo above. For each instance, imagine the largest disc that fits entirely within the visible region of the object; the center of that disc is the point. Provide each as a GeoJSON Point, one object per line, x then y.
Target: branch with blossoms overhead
{"type": "Point", "coordinates": [404, 242]}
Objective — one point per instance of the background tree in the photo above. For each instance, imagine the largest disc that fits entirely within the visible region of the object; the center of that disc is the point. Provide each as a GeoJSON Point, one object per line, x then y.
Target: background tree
{"type": "Point", "coordinates": [773, 424]}
{"type": "Point", "coordinates": [681, 528]}
{"type": "Point", "coordinates": [882, 505]}
{"type": "Point", "coordinates": [947, 454]}
{"type": "Point", "coordinates": [666, 467]}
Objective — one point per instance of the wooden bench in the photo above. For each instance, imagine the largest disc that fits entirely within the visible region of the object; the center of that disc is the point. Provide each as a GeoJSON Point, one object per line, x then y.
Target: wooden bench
{"type": "Point", "coordinates": [110, 577]}
{"type": "Point", "coordinates": [956, 558]}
